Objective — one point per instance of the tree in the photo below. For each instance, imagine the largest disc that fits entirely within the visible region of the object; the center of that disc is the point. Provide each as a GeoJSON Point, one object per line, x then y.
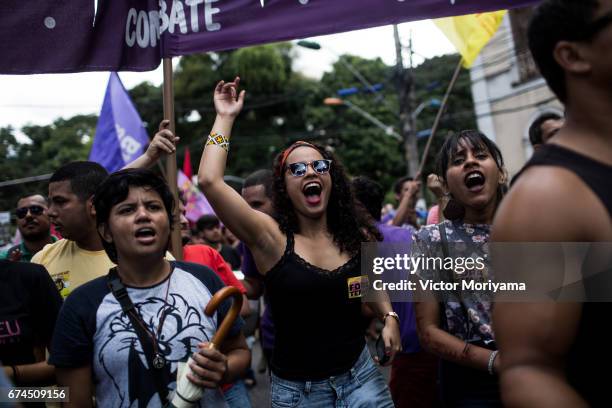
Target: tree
{"type": "Point", "coordinates": [50, 147]}
{"type": "Point", "coordinates": [282, 106]}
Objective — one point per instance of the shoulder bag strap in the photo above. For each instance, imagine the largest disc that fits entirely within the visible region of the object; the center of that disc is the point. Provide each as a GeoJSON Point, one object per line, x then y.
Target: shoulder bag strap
{"type": "Point", "coordinates": [122, 296]}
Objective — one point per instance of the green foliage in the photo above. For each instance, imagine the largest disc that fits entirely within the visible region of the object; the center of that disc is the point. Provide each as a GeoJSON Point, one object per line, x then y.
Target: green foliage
{"type": "Point", "coordinates": [281, 106]}
{"type": "Point", "coordinates": [51, 146]}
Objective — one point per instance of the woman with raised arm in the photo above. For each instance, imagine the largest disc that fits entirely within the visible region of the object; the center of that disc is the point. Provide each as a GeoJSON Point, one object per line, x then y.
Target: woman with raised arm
{"type": "Point", "coordinates": [307, 254]}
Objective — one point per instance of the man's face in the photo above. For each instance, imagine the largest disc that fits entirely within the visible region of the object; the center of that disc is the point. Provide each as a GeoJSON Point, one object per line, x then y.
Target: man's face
{"type": "Point", "coordinates": [32, 218]}
{"type": "Point", "coordinates": [70, 216]}
{"type": "Point", "coordinates": [256, 197]}
{"type": "Point", "coordinates": [550, 128]}
{"type": "Point", "coordinates": [212, 235]}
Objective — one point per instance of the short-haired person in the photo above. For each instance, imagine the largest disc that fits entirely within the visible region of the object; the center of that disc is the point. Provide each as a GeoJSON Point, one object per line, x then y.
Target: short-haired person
{"type": "Point", "coordinates": [34, 227]}
{"type": "Point", "coordinates": [458, 326]}
{"type": "Point", "coordinates": [257, 192]}
{"type": "Point", "coordinates": [209, 229]}
{"type": "Point", "coordinates": [308, 254]}
{"type": "Point", "coordinates": [544, 128]}
{"type": "Point", "coordinates": [79, 257]}
{"type": "Point", "coordinates": [413, 371]}
{"type": "Point", "coordinates": [96, 348]}
{"type": "Point", "coordinates": [552, 352]}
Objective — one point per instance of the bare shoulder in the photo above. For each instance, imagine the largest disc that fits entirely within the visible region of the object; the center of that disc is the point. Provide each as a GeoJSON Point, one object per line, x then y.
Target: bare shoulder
{"type": "Point", "coordinates": [552, 328]}
{"type": "Point", "coordinates": [550, 203]}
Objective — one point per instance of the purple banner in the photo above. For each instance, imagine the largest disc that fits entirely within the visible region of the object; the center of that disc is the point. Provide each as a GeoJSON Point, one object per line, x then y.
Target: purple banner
{"type": "Point", "coordinates": [132, 35]}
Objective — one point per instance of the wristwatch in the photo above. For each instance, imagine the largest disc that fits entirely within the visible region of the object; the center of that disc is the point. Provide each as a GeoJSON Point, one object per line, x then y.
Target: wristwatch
{"type": "Point", "coordinates": [392, 314]}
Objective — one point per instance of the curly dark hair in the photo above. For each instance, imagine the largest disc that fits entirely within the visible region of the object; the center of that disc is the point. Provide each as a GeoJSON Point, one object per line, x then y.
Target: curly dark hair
{"type": "Point", "coordinates": [348, 223]}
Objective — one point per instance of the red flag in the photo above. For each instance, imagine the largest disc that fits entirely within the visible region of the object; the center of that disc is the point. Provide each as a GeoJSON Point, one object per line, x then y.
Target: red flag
{"type": "Point", "coordinates": [187, 164]}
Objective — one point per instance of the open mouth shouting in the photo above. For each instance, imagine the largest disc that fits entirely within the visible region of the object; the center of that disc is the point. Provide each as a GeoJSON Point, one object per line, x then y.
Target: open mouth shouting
{"type": "Point", "coordinates": [475, 181]}
{"type": "Point", "coordinates": [145, 235]}
{"type": "Point", "coordinates": [312, 191]}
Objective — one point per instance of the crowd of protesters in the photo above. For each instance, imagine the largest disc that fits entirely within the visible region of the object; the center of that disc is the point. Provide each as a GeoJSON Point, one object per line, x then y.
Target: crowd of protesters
{"type": "Point", "coordinates": [108, 312]}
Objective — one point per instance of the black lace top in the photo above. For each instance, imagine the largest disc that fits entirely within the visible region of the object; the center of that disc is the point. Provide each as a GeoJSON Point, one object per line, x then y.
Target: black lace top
{"type": "Point", "coordinates": [317, 319]}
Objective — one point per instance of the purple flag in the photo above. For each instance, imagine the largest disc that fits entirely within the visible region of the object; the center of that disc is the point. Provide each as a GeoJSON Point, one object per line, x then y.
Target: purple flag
{"type": "Point", "coordinates": [133, 35]}
{"type": "Point", "coordinates": [120, 136]}
{"type": "Point", "coordinates": [196, 203]}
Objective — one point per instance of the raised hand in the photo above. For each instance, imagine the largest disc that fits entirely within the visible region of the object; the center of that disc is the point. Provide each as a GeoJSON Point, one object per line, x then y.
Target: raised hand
{"type": "Point", "coordinates": [411, 188]}
{"type": "Point", "coordinates": [164, 142]}
{"type": "Point", "coordinates": [228, 102]}
{"type": "Point", "coordinates": [435, 185]}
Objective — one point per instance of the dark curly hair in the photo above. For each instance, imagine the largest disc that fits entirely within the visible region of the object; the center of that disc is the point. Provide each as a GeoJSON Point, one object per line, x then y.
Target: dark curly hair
{"type": "Point", "coordinates": [348, 223]}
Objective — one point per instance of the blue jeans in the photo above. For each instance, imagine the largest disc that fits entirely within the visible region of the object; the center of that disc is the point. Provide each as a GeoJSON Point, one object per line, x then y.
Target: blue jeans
{"type": "Point", "coordinates": [362, 386]}
{"type": "Point", "coordinates": [237, 396]}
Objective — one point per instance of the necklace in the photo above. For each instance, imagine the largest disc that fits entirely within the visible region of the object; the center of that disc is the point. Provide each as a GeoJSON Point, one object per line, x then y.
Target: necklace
{"type": "Point", "coordinates": [159, 361]}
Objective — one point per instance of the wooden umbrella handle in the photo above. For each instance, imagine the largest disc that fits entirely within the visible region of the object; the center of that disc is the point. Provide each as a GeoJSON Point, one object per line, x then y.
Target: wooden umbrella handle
{"type": "Point", "coordinates": [231, 316]}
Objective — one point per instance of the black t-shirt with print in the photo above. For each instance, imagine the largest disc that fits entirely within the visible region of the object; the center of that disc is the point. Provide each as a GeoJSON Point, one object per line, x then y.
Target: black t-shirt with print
{"type": "Point", "coordinates": [29, 305]}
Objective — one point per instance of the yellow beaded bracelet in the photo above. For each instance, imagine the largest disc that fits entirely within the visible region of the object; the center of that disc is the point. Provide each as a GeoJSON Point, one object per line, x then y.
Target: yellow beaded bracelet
{"type": "Point", "coordinates": [218, 139]}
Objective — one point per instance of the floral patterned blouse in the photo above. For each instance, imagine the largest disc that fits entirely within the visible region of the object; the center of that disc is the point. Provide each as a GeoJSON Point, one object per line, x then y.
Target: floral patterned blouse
{"type": "Point", "coordinates": [468, 314]}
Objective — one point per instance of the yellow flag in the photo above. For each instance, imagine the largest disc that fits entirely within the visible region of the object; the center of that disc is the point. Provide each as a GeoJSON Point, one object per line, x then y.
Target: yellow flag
{"type": "Point", "coordinates": [470, 33]}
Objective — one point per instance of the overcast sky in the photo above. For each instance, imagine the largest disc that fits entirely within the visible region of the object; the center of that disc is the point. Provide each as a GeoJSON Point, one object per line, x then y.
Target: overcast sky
{"type": "Point", "coordinates": [40, 99]}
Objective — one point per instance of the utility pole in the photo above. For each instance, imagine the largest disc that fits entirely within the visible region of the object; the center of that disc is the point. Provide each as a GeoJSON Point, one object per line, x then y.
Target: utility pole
{"type": "Point", "coordinates": [405, 88]}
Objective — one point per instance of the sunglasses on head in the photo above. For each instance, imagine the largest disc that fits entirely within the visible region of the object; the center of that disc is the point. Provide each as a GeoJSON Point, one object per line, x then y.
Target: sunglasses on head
{"type": "Point", "coordinates": [299, 169]}
{"type": "Point", "coordinates": [33, 209]}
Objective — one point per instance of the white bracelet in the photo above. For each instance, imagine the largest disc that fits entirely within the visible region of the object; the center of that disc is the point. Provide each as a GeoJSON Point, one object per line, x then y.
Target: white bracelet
{"type": "Point", "coordinates": [491, 361]}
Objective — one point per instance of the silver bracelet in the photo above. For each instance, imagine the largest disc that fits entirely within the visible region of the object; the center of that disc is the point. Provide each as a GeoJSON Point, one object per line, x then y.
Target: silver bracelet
{"type": "Point", "coordinates": [491, 361]}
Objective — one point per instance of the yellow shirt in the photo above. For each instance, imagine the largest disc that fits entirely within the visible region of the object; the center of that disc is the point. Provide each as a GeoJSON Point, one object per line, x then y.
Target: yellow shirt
{"type": "Point", "coordinates": [71, 266]}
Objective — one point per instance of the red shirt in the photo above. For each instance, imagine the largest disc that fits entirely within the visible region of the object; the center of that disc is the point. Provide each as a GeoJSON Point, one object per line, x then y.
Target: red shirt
{"type": "Point", "coordinates": [207, 256]}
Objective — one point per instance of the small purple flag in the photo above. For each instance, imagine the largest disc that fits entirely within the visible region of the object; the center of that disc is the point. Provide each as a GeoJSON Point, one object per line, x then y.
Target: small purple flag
{"type": "Point", "coordinates": [196, 203]}
{"type": "Point", "coordinates": [120, 136]}
{"type": "Point", "coordinates": [133, 35]}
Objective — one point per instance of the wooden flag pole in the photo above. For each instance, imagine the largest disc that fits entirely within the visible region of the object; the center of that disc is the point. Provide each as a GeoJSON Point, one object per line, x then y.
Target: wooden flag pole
{"type": "Point", "coordinates": [436, 124]}
{"type": "Point", "coordinates": [171, 173]}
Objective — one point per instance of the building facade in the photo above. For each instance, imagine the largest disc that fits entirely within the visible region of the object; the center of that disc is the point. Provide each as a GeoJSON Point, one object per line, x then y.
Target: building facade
{"type": "Point", "coordinates": [508, 92]}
